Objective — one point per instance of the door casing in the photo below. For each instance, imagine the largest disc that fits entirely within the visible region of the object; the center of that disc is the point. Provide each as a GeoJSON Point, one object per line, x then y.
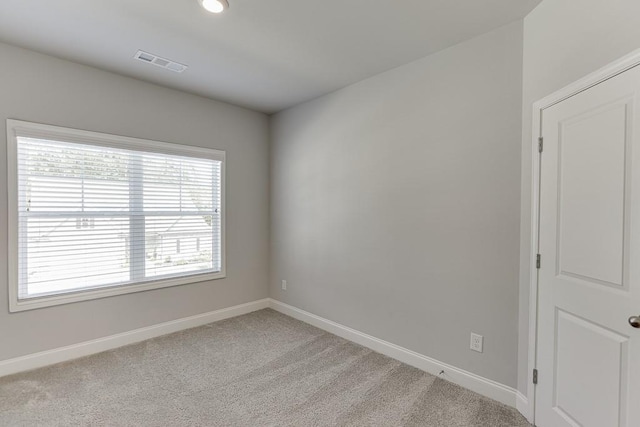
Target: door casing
{"type": "Point", "coordinates": [527, 406]}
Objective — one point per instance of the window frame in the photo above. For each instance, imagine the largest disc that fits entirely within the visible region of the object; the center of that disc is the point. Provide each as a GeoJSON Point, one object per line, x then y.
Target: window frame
{"type": "Point", "coordinates": [18, 128]}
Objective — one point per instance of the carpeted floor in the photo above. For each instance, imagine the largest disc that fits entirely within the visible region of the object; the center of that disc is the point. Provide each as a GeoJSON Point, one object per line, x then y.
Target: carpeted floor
{"type": "Point", "coordinates": [261, 369]}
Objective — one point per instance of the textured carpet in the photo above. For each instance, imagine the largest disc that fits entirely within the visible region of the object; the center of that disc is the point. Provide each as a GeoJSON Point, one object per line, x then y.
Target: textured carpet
{"type": "Point", "coordinates": [261, 369]}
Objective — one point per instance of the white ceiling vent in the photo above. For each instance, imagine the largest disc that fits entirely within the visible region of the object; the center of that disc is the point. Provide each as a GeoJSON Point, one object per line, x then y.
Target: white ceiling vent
{"type": "Point", "coordinates": [160, 62]}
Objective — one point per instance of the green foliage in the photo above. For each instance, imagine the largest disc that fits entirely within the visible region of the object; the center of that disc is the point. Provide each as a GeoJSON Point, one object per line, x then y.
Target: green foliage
{"type": "Point", "coordinates": [63, 163]}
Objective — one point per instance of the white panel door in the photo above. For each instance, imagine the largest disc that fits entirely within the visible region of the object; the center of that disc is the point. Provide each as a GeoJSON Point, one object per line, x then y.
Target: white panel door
{"type": "Point", "coordinates": [588, 353]}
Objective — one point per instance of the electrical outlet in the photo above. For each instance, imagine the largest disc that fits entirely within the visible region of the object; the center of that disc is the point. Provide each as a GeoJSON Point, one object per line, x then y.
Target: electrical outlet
{"type": "Point", "coordinates": [284, 285]}
{"type": "Point", "coordinates": [476, 342]}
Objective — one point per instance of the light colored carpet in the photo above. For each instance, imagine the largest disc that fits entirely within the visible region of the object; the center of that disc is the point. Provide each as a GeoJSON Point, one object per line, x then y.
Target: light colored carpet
{"type": "Point", "coordinates": [261, 369]}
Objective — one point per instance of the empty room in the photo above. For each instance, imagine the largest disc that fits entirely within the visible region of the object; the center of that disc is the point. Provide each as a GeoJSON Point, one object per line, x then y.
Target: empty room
{"type": "Point", "coordinates": [320, 213]}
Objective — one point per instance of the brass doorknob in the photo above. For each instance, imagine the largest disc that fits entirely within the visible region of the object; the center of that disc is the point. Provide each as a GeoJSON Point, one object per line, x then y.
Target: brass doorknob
{"type": "Point", "coordinates": [635, 321]}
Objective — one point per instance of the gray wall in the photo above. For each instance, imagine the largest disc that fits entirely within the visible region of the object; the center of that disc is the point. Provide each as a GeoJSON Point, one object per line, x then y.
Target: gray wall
{"type": "Point", "coordinates": [42, 89]}
{"type": "Point", "coordinates": [396, 204]}
{"type": "Point", "coordinates": [564, 40]}
{"type": "Point", "coordinates": [393, 199]}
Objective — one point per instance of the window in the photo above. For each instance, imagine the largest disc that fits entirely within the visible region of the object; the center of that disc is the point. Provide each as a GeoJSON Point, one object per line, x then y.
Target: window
{"type": "Point", "coordinates": [94, 215]}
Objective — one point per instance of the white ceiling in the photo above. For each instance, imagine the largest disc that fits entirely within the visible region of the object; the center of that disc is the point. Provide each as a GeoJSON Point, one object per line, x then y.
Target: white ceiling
{"type": "Point", "coordinates": [262, 54]}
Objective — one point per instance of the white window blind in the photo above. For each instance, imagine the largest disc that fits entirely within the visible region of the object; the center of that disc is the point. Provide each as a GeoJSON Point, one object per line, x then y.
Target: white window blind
{"type": "Point", "coordinates": [113, 214]}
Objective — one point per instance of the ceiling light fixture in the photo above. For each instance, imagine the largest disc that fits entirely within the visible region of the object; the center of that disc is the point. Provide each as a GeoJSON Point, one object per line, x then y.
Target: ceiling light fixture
{"type": "Point", "coordinates": [215, 6]}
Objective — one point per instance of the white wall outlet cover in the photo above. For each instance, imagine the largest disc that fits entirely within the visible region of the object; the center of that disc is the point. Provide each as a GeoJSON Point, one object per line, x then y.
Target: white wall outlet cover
{"type": "Point", "coordinates": [284, 285]}
{"type": "Point", "coordinates": [477, 342]}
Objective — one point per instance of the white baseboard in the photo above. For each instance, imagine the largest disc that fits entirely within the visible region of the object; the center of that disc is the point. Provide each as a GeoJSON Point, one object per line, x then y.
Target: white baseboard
{"type": "Point", "coordinates": [481, 385]}
{"type": "Point", "coordinates": [471, 381]}
{"type": "Point", "coordinates": [522, 405]}
{"type": "Point", "coordinates": [87, 348]}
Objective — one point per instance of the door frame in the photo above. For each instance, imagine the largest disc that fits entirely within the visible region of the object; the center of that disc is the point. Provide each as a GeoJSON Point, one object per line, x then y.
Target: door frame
{"type": "Point", "coordinates": [632, 60]}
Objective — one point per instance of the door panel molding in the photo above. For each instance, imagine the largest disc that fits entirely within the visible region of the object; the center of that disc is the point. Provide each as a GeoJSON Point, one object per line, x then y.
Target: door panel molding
{"type": "Point", "coordinates": [616, 191]}
{"type": "Point", "coordinates": [567, 367]}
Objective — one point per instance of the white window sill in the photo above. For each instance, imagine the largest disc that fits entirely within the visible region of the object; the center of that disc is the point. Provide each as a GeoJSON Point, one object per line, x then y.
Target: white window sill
{"type": "Point", "coordinates": [16, 305]}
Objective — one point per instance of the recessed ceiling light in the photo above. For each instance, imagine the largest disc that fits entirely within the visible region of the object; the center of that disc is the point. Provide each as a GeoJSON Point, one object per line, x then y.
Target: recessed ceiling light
{"type": "Point", "coordinates": [215, 6]}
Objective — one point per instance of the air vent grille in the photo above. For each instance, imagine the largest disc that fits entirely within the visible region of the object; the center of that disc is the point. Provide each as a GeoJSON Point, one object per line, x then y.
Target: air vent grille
{"type": "Point", "coordinates": [158, 61]}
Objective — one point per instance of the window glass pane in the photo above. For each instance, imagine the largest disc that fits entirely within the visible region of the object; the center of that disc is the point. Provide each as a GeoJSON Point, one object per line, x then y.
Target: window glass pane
{"type": "Point", "coordinates": [65, 177]}
{"type": "Point", "coordinates": [66, 254]}
{"type": "Point", "coordinates": [179, 244]}
{"type": "Point", "coordinates": [179, 184]}
{"type": "Point", "coordinates": [91, 216]}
